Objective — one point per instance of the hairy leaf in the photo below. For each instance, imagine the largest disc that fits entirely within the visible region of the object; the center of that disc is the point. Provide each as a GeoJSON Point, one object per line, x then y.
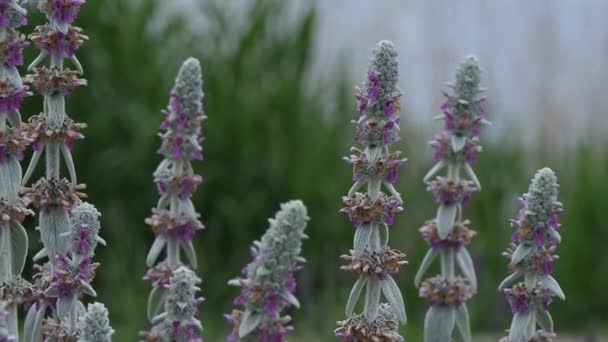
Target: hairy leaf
{"type": "Point", "coordinates": [355, 293]}
{"type": "Point", "coordinates": [424, 266]}
{"type": "Point", "coordinates": [446, 214]}
{"type": "Point", "coordinates": [392, 293]}
{"type": "Point", "coordinates": [439, 324]}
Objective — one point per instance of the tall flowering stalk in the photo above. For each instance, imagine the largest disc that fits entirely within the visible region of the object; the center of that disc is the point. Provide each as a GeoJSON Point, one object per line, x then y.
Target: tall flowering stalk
{"type": "Point", "coordinates": [531, 255]}
{"type": "Point", "coordinates": [68, 227]}
{"type": "Point", "coordinates": [13, 237]}
{"type": "Point", "coordinates": [455, 149]}
{"type": "Point", "coordinates": [269, 285]}
{"type": "Point", "coordinates": [371, 212]}
{"type": "Point", "coordinates": [174, 221]}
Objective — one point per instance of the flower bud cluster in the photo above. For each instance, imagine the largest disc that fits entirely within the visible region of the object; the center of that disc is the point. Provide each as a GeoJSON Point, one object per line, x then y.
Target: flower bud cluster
{"type": "Point", "coordinates": [269, 284]}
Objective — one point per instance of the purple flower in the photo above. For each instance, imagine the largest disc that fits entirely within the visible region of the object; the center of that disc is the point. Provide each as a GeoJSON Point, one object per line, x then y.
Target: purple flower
{"type": "Point", "coordinates": [522, 300]}
{"type": "Point", "coordinates": [12, 98]}
{"type": "Point", "coordinates": [362, 210]}
{"type": "Point", "coordinates": [447, 191]}
{"type": "Point", "coordinates": [53, 41]}
{"type": "Point", "coordinates": [373, 85]}
{"type": "Point", "coordinates": [61, 11]}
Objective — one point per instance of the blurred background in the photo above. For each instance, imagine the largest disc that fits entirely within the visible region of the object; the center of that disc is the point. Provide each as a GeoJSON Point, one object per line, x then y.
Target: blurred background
{"type": "Point", "coordinates": [278, 82]}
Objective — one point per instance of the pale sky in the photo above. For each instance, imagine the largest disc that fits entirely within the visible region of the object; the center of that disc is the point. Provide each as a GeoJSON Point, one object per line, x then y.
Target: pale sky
{"type": "Point", "coordinates": [543, 60]}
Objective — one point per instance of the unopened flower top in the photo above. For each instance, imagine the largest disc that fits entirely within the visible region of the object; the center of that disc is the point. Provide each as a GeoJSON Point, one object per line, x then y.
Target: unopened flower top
{"type": "Point", "coordinates": [537, 220]}
{"type": "Point", "coordinates": [463, 111]}
{"type": "Point", "coordinates": [94, 325]}
{"type": "Point", "coordinates": [182, 303]}
{"type": "Point", "coordinates": [281, 245]}
{"type": "Point", "coordinates": [541, 198]}
{"type": "Point", "coordinates": [379, 94]}
{"type": "Point", "coordinates": [83, 236]}
{"type": "Point", "coordinates": [184, 115]}
{"type": "Point", "coordinates": [467, 79]}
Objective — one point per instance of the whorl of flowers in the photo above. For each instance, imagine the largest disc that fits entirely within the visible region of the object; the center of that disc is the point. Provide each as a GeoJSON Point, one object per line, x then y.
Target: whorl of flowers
{"type": "Point", "coordinates": [372, 211]}
{"type": "Point", "coordinates": [94, 325]}
{"type": "Point", "coordinates": [385, 328]}
{"type": "Point", "coordinates": [531, 255]}
{"type": "Point", "coordinates": [178, 322]}
{"type": "Point", "coordinates": [174, 221]}
{"type": "Point", "coordinates": [5, 334]}
{"type": "Point", "coordinates": [268, 285]}
{"type": "Point", "coordinates": [455, 148]}
{"type": "Point", "coordinates": [13, 141]}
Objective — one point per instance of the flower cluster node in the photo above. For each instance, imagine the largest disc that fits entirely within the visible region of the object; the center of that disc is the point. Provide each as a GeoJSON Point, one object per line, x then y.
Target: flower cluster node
{"type": "Point", "coordinates": [374, 263]}
{"type": "Point", "coordinates": [447, 191]}
{"type": "Point", "coordinates": [13, 142]}
{"type": "Point", "coordinates": [15, 291]}
{"type": "Point", "coordinates": [11, 49]}
{"type": "Point", "coordinates": [443, 150]}
{"type": "Point", "coordinates": [385, 328]}
{"type": "Point", "coordinates": [384, 168]}
{"type": "Point", "coordinates": [159, 275]}
{"type": "Point", "coordinates": [13, 211]}
{"type": "Point", "coordinates": [183, 186]}
{"type": "Point", "coordinates": [377, 131]}
{"type": "Point", "coordinates": [53, 330]}
{"type": "Point", "coordinates": [12, 15]}
{"type": "Point", "coordinates": [439, 291]}
{"type": "Point", "coordinates": [539, 262]}
{"type": "Point", "coordinates": [460, 235]}
{"type": "Point", "coordinates": [39, 132]}
{"type": "Point", "coordinates": [522, 299]}
{"type": "Point", "coordinates": [55, 81]}
{"type": "Point", "coordinates": [52, 193]}
{"type": "Point", "coordinates": [60, 11]}
{"type": "Point", "coordinates": [69, 278]}
{"type": "Point", "coordinates": [55, 42]}
{"type": "Point", "coordinates": [361, 209]}
{"type": "Point", "coordinates": [12, 94]}
{"type": "Point", "coordinates": [273, 330]}
{"type": "Point", "coordinates": [164, 223]}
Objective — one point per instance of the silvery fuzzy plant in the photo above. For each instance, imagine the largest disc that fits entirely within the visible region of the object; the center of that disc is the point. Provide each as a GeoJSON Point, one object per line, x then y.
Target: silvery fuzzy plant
{"type": "Point", "coordinates": [175, 221]}
{"type": "Point", "coordinates": [68, 228]}
{"type": "Point", "coordinates": [94, 325]}
{"type": "Point", "coordinates": [268, 285]}
{"type": "Point", "coordinates": [455, 150]}
{"type": "Point", "coordinates": [5, 334]}
{"type": "Point", "coordinates": [61, 286]}
{"type": "Point", "coordinates": [13, 237]}
{"type": "Point", "coordinates": [531, 255]}
{"type": "Point", "coordinates": [372, 211]}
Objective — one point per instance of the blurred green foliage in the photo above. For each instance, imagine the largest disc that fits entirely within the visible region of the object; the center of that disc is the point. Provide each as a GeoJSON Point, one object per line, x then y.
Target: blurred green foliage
{"type": "Point", "coordinates": [270, 138]}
